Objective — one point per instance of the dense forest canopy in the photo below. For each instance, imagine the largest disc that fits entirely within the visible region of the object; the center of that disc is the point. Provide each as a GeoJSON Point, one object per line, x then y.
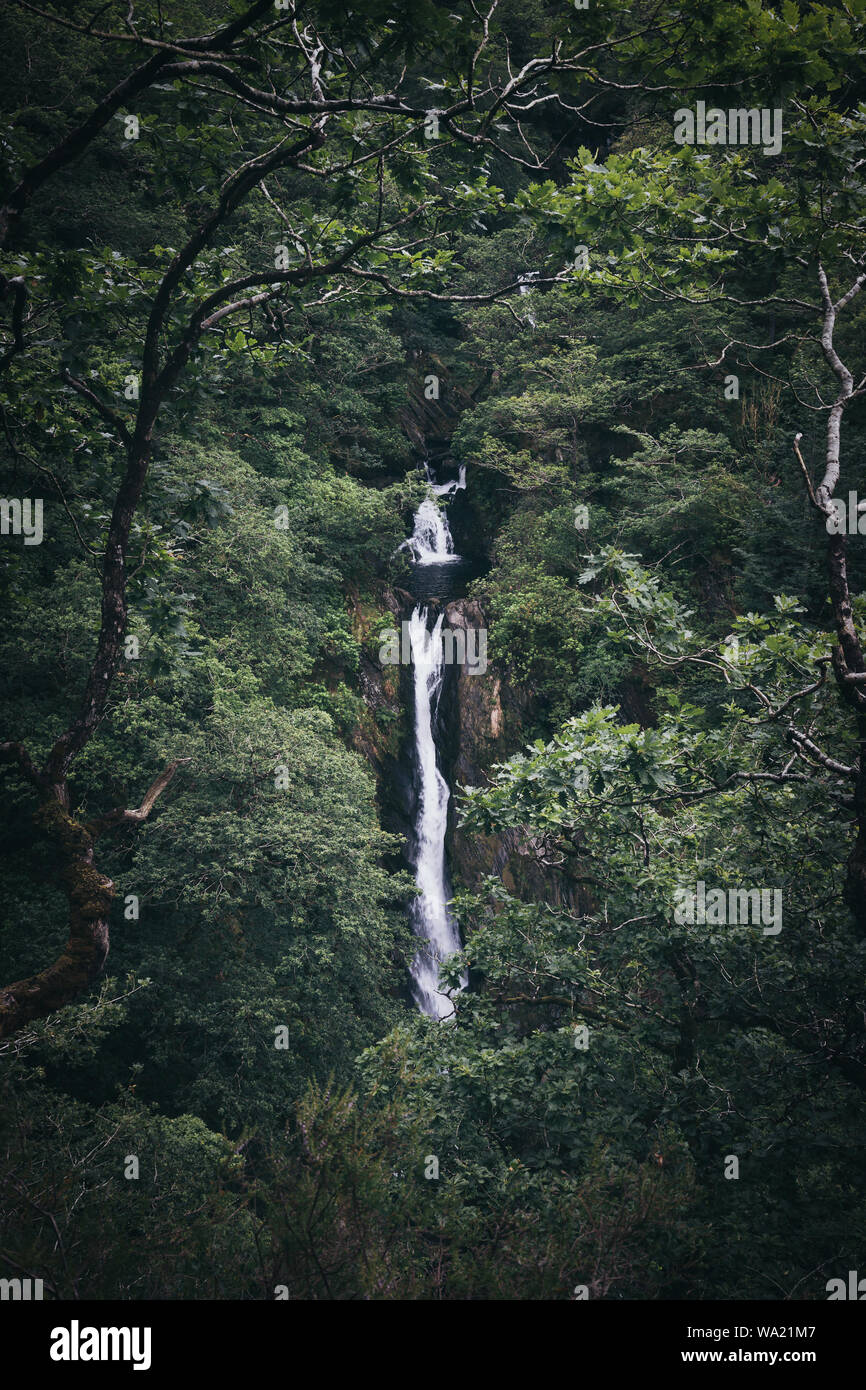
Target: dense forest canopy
{"type": "Point", "coordinates": [260, 264]}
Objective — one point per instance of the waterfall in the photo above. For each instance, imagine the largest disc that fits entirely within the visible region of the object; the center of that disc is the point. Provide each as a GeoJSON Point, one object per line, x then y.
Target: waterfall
{"type": "Point", "coordinates": [430, 542]}
{"type": "Point", "coordinates": [448, 489]}
{"type": "Point", "coordinates": [432, 922]}
{"type": "Point", "coordinates": [431, 919]}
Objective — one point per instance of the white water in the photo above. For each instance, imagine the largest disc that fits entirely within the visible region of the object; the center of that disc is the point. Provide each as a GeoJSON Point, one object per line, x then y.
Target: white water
{"type": "Point", "coordinates": [432, 921]}
{"type": "Point", "coordinates": [431, 918]}
{"type": "Point", "coordinates": [430, 542]}
{"type": "Point", "coordinates": [448, 489]}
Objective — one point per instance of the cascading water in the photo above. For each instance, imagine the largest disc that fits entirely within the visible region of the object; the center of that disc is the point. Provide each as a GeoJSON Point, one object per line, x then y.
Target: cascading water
{"type": "Point", "coordinates": [430, 544]}
{"type": "Point", "coordinates": [447, 489]}
{"type": "Point", "coordinates": [431, 919]}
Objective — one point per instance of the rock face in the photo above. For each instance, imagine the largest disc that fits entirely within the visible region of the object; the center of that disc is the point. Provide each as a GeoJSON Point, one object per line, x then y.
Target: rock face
{"type": "Point", "coordinates": [486, 718]}
{"type": "Point", "coordinates": [429, 419]}
{"type": "Point", "coordinates": [380, 692]}
{"type": "Point", "coordinates": [483, 720]}
{"type": "Point", "coordinates": [383, 726]}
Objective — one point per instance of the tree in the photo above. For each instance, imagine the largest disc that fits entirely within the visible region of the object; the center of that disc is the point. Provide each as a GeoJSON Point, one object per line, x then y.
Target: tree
{"type": "Point", "coordinates": [737, 232]}
{"type": "Point", "coordinates": [326, 122]}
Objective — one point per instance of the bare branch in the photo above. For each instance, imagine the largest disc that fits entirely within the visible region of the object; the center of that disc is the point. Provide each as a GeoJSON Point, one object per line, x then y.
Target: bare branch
{"type": "Point", "coordinates": [140, 813]}
{"type": "Point", "coordinates": [812, 496]}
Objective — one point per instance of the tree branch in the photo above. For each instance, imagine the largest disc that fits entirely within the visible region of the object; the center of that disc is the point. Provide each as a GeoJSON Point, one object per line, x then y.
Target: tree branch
{"type": "Point", "coordinates": [110, 416]}
{"type": "Point", "coordinates": [140, 813]}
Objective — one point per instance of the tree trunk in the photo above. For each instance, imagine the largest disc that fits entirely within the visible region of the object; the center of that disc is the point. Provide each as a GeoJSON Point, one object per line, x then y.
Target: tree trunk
{"type": "Point", "coordinates": [90, 895]}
